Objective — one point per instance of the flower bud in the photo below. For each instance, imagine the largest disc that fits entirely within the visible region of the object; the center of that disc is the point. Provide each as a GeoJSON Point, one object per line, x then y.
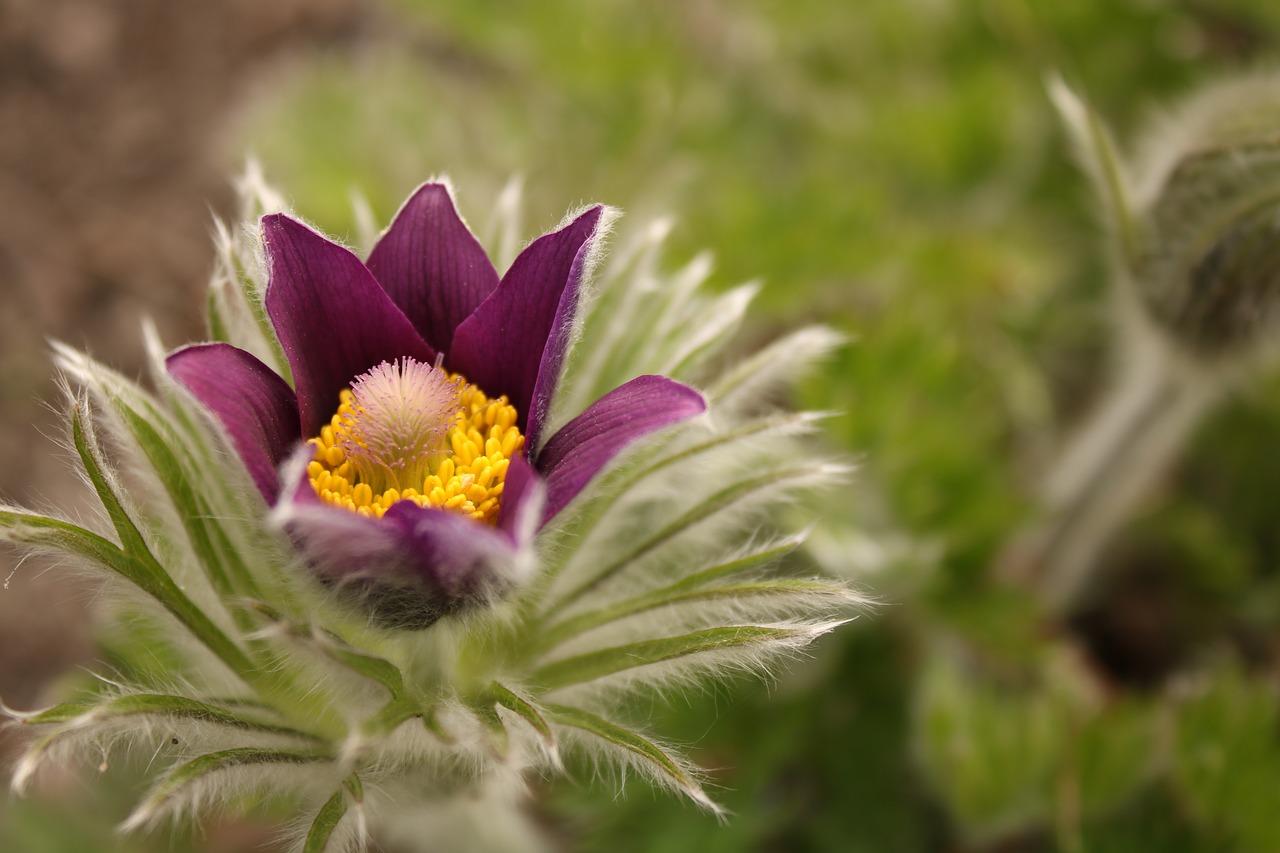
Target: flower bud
{"type": "Point", "coordinates": [1207, 265]}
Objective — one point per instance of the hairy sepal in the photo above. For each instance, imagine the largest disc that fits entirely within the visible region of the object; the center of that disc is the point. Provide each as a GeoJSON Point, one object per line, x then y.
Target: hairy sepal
{"type": "Point", "coordinates": [768, 374]}
{"type": "Point", "coordinates": [222, 777]}
{"type": "Point", "coordinates": [178, 447]}
{"type": "Point", "coordinates": [644, 321]}
{"type": "Point", "coordinates": [1096, 150]}
{"type": "Point", "coordinates": [595, 576]}
{"type": "Point", "coordinates": [615, 745]}
{"type": "Point", "coordinates": [166, 723]}
{"type": "Point", "coordinates": [747, 560]}
{"type": "Point", "coordinates": [340, 824]}
{"type": "Point", "coordinates": [665, 662]}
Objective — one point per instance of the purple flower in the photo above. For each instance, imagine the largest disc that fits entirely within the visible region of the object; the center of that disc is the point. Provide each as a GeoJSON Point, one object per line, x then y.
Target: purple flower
{"type": "Point", "coordinates": [422, 384]}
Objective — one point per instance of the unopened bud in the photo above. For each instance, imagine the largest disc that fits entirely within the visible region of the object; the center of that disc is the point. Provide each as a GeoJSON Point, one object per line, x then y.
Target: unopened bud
{"type": "Point", "coordinates": [1208, 213]}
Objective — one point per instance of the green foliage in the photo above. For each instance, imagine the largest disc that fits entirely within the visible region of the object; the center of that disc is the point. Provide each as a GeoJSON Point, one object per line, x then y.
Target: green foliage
{"type": "Point", "coordinates": [897, 169]}
{"type": "Point", "coordinates": [1009, 757]}
{"type": "Point", "coordinates": [1226, 760]}
{"type": "Point", "coordinates": [279, 692]}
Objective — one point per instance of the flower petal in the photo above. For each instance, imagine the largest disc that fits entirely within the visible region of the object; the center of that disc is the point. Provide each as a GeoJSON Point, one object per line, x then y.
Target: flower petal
{"type": "Point", "coordinates": [333, 318]}
{"type": "Point", "coordinates": [583, 446]}
{"type": "Point", "coordinates": [523, 498]}
{"type": "Point", "coordinates": [412, 566]}
{"type": "Point", "coordinates": [256, 407]}
{"type": "Point", "coordinates": [515, 342]}
{"type": "Point", "coordinates": [432, 266]}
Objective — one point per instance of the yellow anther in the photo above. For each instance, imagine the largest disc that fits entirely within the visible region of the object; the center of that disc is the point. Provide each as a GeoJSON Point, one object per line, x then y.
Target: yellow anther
{"type": "Point", "coordinates": [465, 474]}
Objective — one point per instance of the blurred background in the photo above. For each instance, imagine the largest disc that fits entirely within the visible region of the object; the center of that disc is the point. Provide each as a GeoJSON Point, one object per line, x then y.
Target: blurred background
{"type": "Point", "coordinates": [894, 169]}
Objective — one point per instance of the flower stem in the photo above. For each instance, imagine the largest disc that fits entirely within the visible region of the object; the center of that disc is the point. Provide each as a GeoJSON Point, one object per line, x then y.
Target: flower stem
{"type": "Point", "coordinates": [1097, 484]}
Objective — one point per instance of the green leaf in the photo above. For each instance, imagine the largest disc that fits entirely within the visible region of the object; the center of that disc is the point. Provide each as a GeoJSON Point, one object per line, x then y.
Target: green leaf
{"type": "Point", "coordinates": [176, 782]}
{"type": "Point", "coordinates": [155, 435]}
{"type": "Point", "coordinates": [720, 501]}
{"type": "Point", "coordinates": [39, 531]}
{"type": "Point", "coordinates": [75, 718]}
{"type": "Point", "coordinates": [722, 319]}
{"type": "Point", "coordinates": [374, 668]}
{"type": "Point", "coordinates": [152, 704]}
{"type": "Point", "coordinates": [192, 509]}
{"type": "Point", "coordinates": [331, 814]}
{"type": "Point", "coordinates": [326, 821]}
{"type": "Point", "coordinates": [681, 591]}
{"type": "Point", "coordinates": [1225, 757]}
{"type": "Point", "coordinates": [598, 664]}
{"type": "Point", "coordinates": [583, 515]}
{"type": "Point", "coordinates": [64, 537]}
{"type": "Point", "coordinates": [1097, 151]}
{"type": "Point", "coordinates": [401, 707]}
{"type": "Point", "coordinates": [217, 326]}
{"type": "Point", "coordinates": [431, 722]}
{"type": "Point", "coordinates": [508, 699]}
{"type": "Point", "coordinates": [131, 539]}
{"type": "Point", "coordinates": [500, 739]}
{"type": "Point", "coordinates": [135, 561]}
{"type": "Point", "coordinates": [671, 596]}
{"type": "Point", "coordinates": [780, 360]}
{"type": "Point", "coordinates": [636, 744]}
{"type": "Point", "coordinates": [57, 714]}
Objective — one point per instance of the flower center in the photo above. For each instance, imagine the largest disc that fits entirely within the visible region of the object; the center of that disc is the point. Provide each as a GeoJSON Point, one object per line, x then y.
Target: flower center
{"type": "Point", "coordinates": [407, 431]}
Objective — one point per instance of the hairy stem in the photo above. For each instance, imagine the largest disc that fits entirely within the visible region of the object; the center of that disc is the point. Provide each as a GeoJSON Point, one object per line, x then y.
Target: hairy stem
{"type": "Point", "coordinates": [1096, 485]}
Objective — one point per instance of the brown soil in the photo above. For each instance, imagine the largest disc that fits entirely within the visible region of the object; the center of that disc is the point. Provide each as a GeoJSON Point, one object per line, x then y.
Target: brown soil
{"type": "Point", "coordinates": [111, 159]}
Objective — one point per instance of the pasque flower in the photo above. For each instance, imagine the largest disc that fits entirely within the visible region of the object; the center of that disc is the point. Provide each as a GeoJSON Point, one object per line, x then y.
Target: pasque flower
{"type": "Point", "coordinates": [427, 438]}
{"type": "Point", "coordinates": [424, 385]}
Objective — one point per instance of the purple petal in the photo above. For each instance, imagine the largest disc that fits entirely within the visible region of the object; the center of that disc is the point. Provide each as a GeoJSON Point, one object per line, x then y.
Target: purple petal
{"type": "Point", "coordinates": [412, 566]}
{"type": "Point", "coordinates": [257, 408]}
{"type": "Point", "coordinates": [583, 446]}
{"type": "Point", "coordinates": [523, 496]}
{"type": "Point", "coordinates": [515, 341]}
{"type": "Point", "coordinates": [332, 317]}
{"type": "Point", "coordinates": [432, 266]}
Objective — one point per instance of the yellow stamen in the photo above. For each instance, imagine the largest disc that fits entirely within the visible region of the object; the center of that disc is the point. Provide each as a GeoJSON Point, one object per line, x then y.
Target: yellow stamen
{"type": "Point", "coordinates": [461, 466]}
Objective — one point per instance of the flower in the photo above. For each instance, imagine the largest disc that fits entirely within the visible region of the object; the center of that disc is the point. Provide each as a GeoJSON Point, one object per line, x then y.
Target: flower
{"type": "Point", "coordinates": [423, 385]}
{"type": "Point", "coordinates": [251, 685]}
